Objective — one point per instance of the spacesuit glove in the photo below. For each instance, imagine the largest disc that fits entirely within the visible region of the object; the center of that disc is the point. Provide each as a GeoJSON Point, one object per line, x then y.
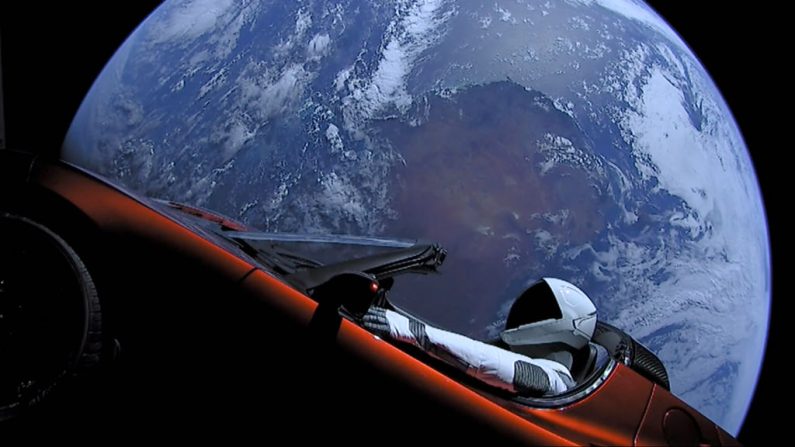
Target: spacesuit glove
{"type": "Point", "coordinates": [375, 320]}
{"type": "Point", "coordinates": [388, 324]}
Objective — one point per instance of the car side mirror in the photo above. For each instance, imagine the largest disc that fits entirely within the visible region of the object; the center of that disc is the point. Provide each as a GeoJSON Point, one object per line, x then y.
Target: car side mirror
{"type": "Point", "coordinates": [355, 291]}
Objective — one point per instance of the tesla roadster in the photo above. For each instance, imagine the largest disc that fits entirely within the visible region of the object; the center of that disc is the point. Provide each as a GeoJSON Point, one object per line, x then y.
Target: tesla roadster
{"type": "Point", "coordinates": [123, 315]}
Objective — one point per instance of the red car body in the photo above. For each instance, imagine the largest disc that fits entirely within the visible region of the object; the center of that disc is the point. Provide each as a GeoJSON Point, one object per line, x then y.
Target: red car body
{"type": "Point", "coordinates": [199, 339]}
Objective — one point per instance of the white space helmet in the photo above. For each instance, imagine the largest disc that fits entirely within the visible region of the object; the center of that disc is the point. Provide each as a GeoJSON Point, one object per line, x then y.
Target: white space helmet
{"type": "Point", "coordinates": [550, 312]}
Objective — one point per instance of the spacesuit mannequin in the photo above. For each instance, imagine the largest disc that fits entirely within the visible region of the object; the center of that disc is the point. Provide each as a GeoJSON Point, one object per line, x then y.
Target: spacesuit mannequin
{"type": "Point", "coordinates": [549, 322]}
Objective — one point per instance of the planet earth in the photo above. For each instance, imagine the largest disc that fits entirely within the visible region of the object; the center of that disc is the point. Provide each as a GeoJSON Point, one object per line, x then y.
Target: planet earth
{"type": "Point", "coordinates": [578, 139]}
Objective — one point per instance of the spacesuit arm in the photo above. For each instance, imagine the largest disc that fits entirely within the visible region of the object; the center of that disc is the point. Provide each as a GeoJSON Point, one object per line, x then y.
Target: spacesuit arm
{"type": "Point", "coordinates": [495, 366]}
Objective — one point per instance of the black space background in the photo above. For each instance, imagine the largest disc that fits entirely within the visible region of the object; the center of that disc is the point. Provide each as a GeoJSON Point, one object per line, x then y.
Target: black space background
{"type": "Point", "coordinates": [51, 55]}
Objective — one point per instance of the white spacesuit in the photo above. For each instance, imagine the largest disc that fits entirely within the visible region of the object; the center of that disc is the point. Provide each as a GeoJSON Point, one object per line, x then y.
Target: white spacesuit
{"type": "Point", "coordinates": [549, 322]}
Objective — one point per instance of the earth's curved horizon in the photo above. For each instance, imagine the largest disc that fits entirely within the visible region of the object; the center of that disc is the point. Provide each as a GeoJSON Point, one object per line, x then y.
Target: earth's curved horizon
{"type": "Point", "coordinates": [580, 139]}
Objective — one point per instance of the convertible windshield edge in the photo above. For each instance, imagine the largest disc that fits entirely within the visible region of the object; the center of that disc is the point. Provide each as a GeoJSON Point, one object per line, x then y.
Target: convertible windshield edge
{"type": "Point", "coordinates": [371, 241]}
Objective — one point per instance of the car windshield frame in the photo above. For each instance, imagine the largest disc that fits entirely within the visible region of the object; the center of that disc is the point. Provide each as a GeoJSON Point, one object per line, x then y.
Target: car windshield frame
{"type": "Point", "coordinates": [300, 271]}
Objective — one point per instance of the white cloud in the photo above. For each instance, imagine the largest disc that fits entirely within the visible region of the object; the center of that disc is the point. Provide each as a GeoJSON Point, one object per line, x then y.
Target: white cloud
{"type": "Point", "coordinates": [342, 78]}
{"type": "Point", "coordinates": [639, 12]}
{"type": "Point", "coordinates": [188, 20]}
{"type": "Point", "coordinates": [318, 46]}
{"type": "Point", "coordinates": [505, 15]}
{"type": "Point", "coordinates": [414, 31]}
{"type": "Point", "coordinates": [343, 197]}
{"type": "Point", "coordinates": [333, 137]}
{"type": "Point", "coordinates": [303, 21]}
{"type": "Point", "coordinates": [264, 97]}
